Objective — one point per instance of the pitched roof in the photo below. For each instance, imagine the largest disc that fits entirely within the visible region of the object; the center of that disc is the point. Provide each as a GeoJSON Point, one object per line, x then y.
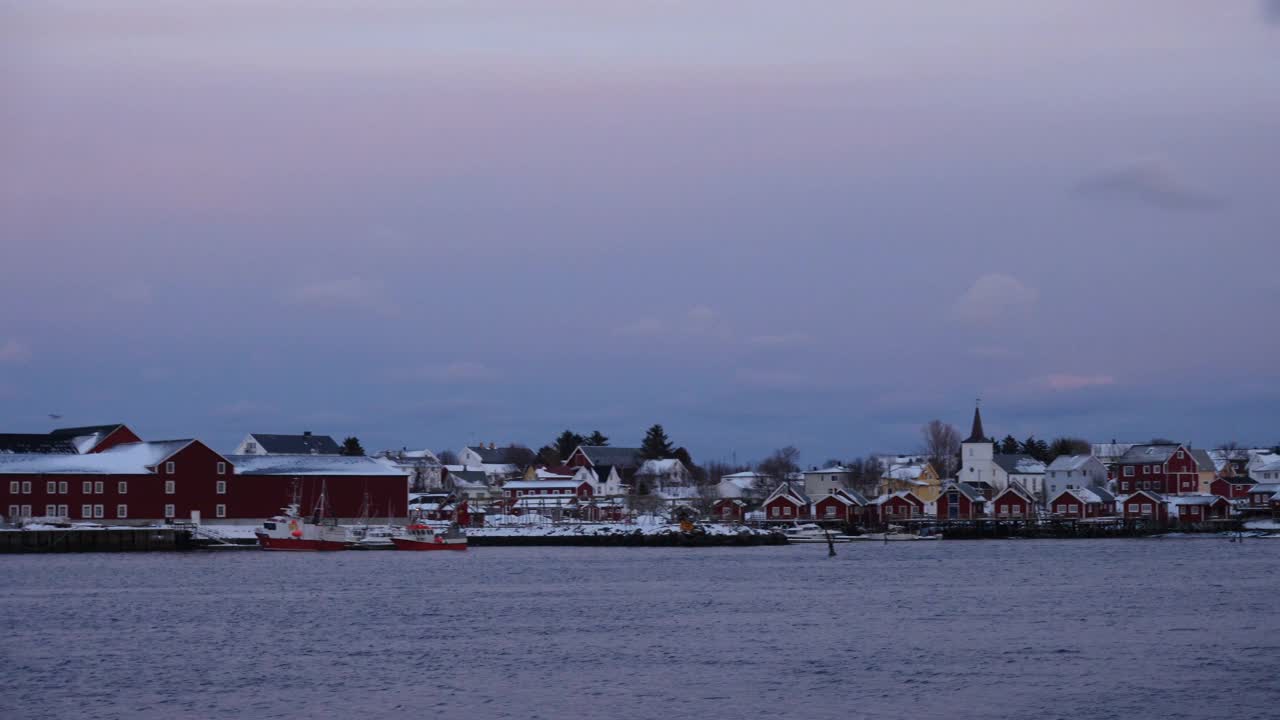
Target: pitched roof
{"type": "Point", "coordinates": [1203, 460]}
{"type": "Point", "coordinates": [68, 433]}
{"type": "Point", "coordinates": [1069, 462]}
{"type": "Point", "coordinates": [1016, 489]}
{"type": "Point", "coordinates": [965, 490]}
{"type": "Point", "coordinates": [1019, 464]}
{"type": "Point", "coordinates": [469, 477]}
{"type": "Point", "coordinates": [40, 443]}
{"type": "Point", "coordinates": [127, 459]}
{"type": "Point", "coordinates": [1143, 454]}
{"type": "Point", "coordinates": [521, 456]}
{"type": "Point", "coordinates": [625, 458]}
{"type": "Point", "coordinates": [305, 444]}
{"type": "Point", "coordinates": [311, 465]}
{"type": "Point", "coordinates": [976, 435]}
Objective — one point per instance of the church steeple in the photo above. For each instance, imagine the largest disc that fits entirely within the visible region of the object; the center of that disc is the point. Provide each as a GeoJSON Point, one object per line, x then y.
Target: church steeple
{"type": "Point", "coordinates": [976, 435]}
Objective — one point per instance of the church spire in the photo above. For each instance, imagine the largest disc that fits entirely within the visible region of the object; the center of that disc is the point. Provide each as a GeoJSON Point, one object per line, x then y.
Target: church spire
{"type": "Point", "coordinates": [977, 436]}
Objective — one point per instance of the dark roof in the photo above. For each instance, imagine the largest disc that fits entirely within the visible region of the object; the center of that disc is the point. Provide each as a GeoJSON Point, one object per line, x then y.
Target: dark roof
{"type": "Point", "coordinates": [1009, 463]}
{"type": "Point", "coordinates": [976, 435]}
{"type": "Point", "coordinates": [521, 456]}
{"type": "Point", "coordinates": [966, 490]}
{"type": "Point", "coordinates": [472, 476]}
{"type": "Point", "coordinates": [624, 458]}
{"type": "Point", "coordinates": [68, 433]}
{"type": "Point", "coordinates": [1143, 454]}
{"type": "Point", "coordinates": [305, 444]}
{"type": "Point", "coordinates": [1203, 460]}
{"type": "Point", "coordinates": [39, 443]}
{"type": "Point", "coordinates": [1105, 494]}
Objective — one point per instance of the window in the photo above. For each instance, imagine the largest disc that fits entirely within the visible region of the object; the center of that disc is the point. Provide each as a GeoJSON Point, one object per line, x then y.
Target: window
{"type": "Point", "coordinates": [1004, 509]}
{"type": "Point", "coordinates": [221, 487]}
{"type": "Point", "coordinates": [169, 487]}
{"type": "Point", "coordinates": [1133, 507]}
{"type": "Point", "coordinates": [51, 487]}
{"type": "Point", "coordinates": [122, 511]}
{"type": "Point", "coordinates": [62, 511]}
{"type": "Point", "coordinates": [13, 511]}
{"type": "Point", "coordinates": [222, 468]}
{"type": "Point", "coordinates": [99, 511]}
{"type": "Point", "coordinates": [1073, 508]}
{"type": "Point", "coordinates": [168, 467]}
{"type": "Point", "coordinates": [1179, 454]}
{"type": "Point", "coordinates": [13, 487]}
{"type": "Point", "coordinates": [250, 448]}
{"type": "Point", "coordinates": [122, 487]}
{"type": "Point", "coordinates": [1017, 509]}
{"type": "Point", "coordinates": [26, 487]}
{"type": "Point", "coordinates": [1146, 469]}
{"type": "Point", "coordinates": [1128, 471]}
{"type": "Point", "coordinates": [220, 510]}
{"type": "Point", "coordinates": [62, 487]}
{"type": "Point", "coordinates": [26, 511]}
{"type": "Point", "coordinates": [169, 511]}
{"type": "Point", "coordinates": [98, 487]}
{"type": "Point", "coordinates": [786, 511]}
{"type": "Point", "coordinates": [86, 511]}
{"type": "Point", "coordinates": [86, 487]}
{"type": "Point", "coordinates": [1146, 507]}
{"type": "Point", "coordinates": [776, 511]}
{"type": "Point", "coordinates": [1062, 509]}
{"type": "Point", "coordinates": [50, 510]}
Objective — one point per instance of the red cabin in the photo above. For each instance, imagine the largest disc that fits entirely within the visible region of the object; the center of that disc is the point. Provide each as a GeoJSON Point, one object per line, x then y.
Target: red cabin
{"type": "Point", "coordinates": [729, 510]}
{"type": "Point", "coordinates": [844, 506]}
{"type": "Point", "coordinates": [1080, 503]}
{"type": "Point", "coordinates": [1013, 503]}
{"type": "Point", "coordinates": [1165, 469]}
{"type": "Point", "coordinates": [1231, 488]}
{"type": "Point", "coordinates": [1196, 509]}
{"type": "Point", "coordinates": [958, 501]}
{"type": "Point", "coordinates": [1146, 506]}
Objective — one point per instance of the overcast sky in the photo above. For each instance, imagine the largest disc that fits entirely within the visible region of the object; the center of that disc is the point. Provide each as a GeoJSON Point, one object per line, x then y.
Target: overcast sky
{"type": "Point", "coordinates": [758, 223]}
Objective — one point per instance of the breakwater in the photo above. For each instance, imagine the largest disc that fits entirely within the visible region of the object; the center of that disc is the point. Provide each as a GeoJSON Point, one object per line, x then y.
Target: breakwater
{"type": "Point", "coordinates": [94, 540]}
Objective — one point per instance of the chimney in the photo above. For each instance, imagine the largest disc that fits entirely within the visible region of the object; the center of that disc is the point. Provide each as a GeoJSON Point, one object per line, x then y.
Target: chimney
{"type": "Point", "coordinates": [492, 447]}
{"type": "Point", "coordinates": [306, 433]}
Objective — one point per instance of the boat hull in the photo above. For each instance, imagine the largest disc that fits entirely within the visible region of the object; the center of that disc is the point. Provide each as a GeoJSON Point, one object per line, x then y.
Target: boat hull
{"type": "Point", "coordinates": [428, 545]}
{"type": "Point", "coordinates": [267, 542]}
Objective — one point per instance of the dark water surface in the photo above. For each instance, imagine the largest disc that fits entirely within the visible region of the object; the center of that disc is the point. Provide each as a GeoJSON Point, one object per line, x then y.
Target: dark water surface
{"type": "Point", "coordinates": [1012, 629]}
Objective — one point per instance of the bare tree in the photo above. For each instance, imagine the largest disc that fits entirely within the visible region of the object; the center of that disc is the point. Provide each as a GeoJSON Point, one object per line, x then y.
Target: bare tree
{"type": "Point", "coordinates": [447, 457]}
{"type": "Point", "coordinates": [780, 464]}
{"type": "Point", "coordinates": [942, 445]}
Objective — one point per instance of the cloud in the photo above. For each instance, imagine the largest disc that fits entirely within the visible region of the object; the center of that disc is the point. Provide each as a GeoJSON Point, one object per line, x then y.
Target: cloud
{"type": "Point", "coordinates": [994, 298]}
{"type": "Point", "coordinates": [349, 292]}
{"type": "Point", "coordinates": [1151, 181]}
{"type": "Point", "coordinates": [447, 373]}
{"type": "Point", "coordinates": [1064, 381]}
{"type": "Point", "coordinates": [14, 351]}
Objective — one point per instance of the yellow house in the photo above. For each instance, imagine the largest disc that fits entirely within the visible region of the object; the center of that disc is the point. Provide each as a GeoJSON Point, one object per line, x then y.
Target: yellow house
{"type": "Point", "coordinates": [919, 478]}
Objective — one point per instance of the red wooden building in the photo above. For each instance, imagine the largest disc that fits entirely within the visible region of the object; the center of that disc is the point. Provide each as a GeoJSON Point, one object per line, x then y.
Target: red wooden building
{"type": "Point", "coordinates": [958, 501]}
{"type": "Point", "coordinates": [1080, 503]}
{"type": "Point", "coordinates": [787, 503]}
{"type": "Point", "coordinates": [147, 482]}
{"type": "Point", "coordinates": [841, 506]}
{"type": "Point", "coordinates": [1196, 509]}
{"type": "Point", "coordinates": [1164, 469]}
{"type": "Point", "coordinates": [896, 507]}
{"type": "Point", "coordinates": [1232, 487]}
{"type": "Point", "coordinates": [1262, 496]}
{"type": "Point", "coordinates": [1144, 505]}
{"type": "Point", "coordinates": [1013, 503]}
{"type": "Point", "coordinates": [730, 510]}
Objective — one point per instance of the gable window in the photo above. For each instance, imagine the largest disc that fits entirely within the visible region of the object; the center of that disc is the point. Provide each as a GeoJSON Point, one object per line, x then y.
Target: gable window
{"type": "Point", "coordinates": [169, 511]}
{"type": "Point", "coordinates": [122, 511]}
{"type": "Point", "coordinates": [122, 487]}
{"type": "Point", "coordinates": [220, 510]}
{"type": "Point", "coordinates": [170, 487]}
{"type": "Point", "coordinates": [168, 467]}
{"type": "Point", "coordinates": [251, 448]}
{"type": "Point", "coordinates": [51, 487]}
{"type": "Point", "coordinates": [222, 468]}
{"type": "Point", "coordinates": [221, 487]}
{"type": "Point", "coordinates": [1179, 454]}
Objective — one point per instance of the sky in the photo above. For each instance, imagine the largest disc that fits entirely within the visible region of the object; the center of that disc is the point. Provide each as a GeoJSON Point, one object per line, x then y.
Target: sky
{"type": "Point", "coordinates": [816, 223]}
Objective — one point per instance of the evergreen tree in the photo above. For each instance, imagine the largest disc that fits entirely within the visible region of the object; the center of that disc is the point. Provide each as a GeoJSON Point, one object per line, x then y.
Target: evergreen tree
{"type": "Point", "coordinates": [1068, 446]}
{"type": "Point", "coordinates": [351, 446]}
{"type": "Point", "coordinates": [597, 439]}
{"type": "Point", "coordinates": [699, 473]}
{"type": "Point", "coordinates": [1037, 449]}
{"type": "Point", "coordinates": [656, 445]}
{"type": "Point", "coordinates": [548, 455]}
{"type": "Point", "coordinates": [566, 443]}
{"type": "Point", "coordinates": [1009, 446]}
{"type": "Point", "coordinates": [447, 457]}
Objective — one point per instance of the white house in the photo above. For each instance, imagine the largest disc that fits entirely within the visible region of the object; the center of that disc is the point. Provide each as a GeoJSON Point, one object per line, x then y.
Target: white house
{"type": "Point", "coordinates": [657, 474]}
{"type": "Point", "coordinates": [821, 483]}
{"type": "Point", "coordinates": [422, 466]}
{"type": "Point", "coordinates": [1072, 472]}
{"type": "Point", "coordinates": [742, 485]}
{"type": "Point", "coordinates": [981, 467]}
{"type": "Point", "coordinates": [273, 444]}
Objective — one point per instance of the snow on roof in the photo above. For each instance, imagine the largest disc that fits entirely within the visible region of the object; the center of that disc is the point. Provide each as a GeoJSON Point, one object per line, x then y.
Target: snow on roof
{"type": "Point", "coordinates": [1081, 494]}
{"type": "Point", "coordinates": [659, 467]}
{"type": "Point", "coordinates": [832, 469]}
{"type": "Point", "coordinates": [746, 475]}
{"type": "Point", "coordinates": [127, 459]}
{"type": "Point", "coordinates": [545, 501]}
{"type": "Point", "coordinates": [540, 484]}
{"type": "Point", "coordinates": [1069, 462]}
{"type": "Point", "coordinates": [910, 472]}
{"type": "Point", "coordinates": [1020, 464]}
{"type": "Point", "coordinates": [1143, 454]}
{"type": "Point", "coordinates": [1110, 450]}
{"type": "Point", "coordinates": [311, 465]}
{"type": "Point", "coordinates": [1197, 499]}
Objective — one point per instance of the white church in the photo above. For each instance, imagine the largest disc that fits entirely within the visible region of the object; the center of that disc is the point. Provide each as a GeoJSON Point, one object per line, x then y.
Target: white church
{"type": "Point", "coordinates": [990, 472]}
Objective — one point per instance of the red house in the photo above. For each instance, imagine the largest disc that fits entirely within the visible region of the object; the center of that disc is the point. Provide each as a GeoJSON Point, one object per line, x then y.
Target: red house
{"type": "Point", "coordinates": [786, 503]}
{"type": "Point", "coordinates": [896, 507]}
{"type": "Point", "coordinates": [729, 510]}
{"type": "Point", "coordinates": [1233, 487]}
{"type": "Point", "coordinates": [1146, 506]}
{"type": "Point", "coordinates": [1080, 503]}
{"type": "Point", "coordinates": [1260, 495]}
{"type": "Point", "coordinates": [1196, 509]}
{"type": "Point", "coordinates": [840, 506]}
{"type": "Point", "coordinates": [148, 482]}
{"type": "Point", "coordinates": [1013, 503]}
{"type": "Point", "coordinates": [1165, 469]}
{"type": "Point", "coordinates": [958, 501]}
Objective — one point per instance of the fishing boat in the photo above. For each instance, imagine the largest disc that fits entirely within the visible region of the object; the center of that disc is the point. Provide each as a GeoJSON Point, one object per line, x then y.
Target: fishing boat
{"type": "Point", "coordinates": [290, 531]}
{"type": "Point", "coordinates": [895, 534]}
{"type": "Point", "coordinates": [421, 536]}
{"type": "Point", "coordinates": [812, 533]}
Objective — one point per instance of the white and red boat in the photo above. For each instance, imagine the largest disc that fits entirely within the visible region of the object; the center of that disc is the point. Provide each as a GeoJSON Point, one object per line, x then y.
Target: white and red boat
{"type": "Point", "coordinates": [421, 536]}
{"type": "Point", "coordinates": [290, 531]}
